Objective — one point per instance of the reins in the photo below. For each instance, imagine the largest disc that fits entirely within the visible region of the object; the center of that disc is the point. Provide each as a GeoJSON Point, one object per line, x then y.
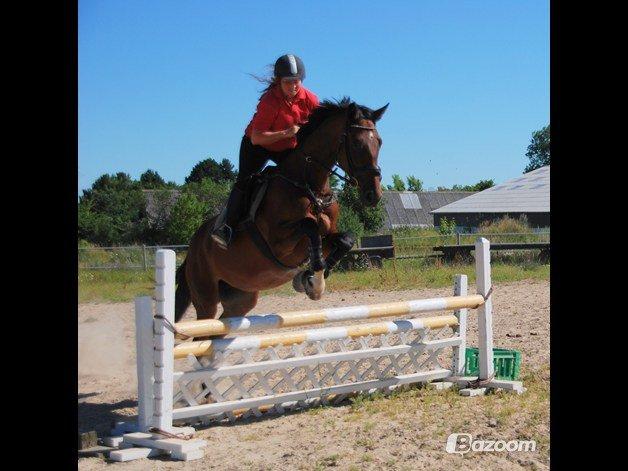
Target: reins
{"type": "Point", "coordinates": [349, 177]}
{"type": "Point", "coordinates": [319, 203]}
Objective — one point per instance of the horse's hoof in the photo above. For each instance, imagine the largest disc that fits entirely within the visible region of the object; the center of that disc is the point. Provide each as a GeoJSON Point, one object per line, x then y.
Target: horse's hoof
{"type": "Point", "coordinates": [297, 282]}
{"type": "Point", "coordinates": [315, 285]}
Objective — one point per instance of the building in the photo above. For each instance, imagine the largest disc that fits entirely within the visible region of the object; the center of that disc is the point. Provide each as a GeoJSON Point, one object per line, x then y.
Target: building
{"type": "Point", "coordinates": [413, 208]}
{"type": "Point", "coordinates": [527, 195]}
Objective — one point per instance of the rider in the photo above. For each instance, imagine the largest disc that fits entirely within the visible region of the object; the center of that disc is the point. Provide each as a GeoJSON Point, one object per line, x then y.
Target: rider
{"type": "Point", "coordinates": [271, 134]}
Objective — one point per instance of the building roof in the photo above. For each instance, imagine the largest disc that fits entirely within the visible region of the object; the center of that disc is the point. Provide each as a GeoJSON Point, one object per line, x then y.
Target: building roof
{"type": "Point", "coordinates": [529, 193]}
{"type": "Point", "coordinates": [413, 208]}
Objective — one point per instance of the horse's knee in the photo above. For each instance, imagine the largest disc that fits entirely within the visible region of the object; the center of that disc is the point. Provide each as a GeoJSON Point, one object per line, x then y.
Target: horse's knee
{"type": "Point", "coordinates": [344, 241]}
{"type": "Point", "coordinates": [341, 244]}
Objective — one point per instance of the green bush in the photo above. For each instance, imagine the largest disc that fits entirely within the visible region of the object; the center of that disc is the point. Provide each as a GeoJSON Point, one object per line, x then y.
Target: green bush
{"type": "Point", "coordinates": [187, 214]}
{"type": "Point", "coordinates": [348, 221]}
{"type": "Point", "coordinates": [370, 219]}
{"type": "Point", "coordinates": [505, 225]}
{"type": "Point", "coordinates": [447, 226]}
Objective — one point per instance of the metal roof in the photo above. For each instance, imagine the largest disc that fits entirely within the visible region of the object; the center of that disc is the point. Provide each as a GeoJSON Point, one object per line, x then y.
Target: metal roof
{"type": "Point", "coordinates": [412, 208]}
{"type": "Point", "coordinates": [529, 193]}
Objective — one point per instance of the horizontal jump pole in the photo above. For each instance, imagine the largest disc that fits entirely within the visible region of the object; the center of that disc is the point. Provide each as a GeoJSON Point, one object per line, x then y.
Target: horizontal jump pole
{"type": "Point", "coordinates": [212, 327]}
{"type": "Point", "coordinates": [208, 347]}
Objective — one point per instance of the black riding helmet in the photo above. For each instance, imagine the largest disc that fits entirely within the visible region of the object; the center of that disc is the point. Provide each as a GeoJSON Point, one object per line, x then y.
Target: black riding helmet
{"type": "Point", "coordinates": [289, 66]}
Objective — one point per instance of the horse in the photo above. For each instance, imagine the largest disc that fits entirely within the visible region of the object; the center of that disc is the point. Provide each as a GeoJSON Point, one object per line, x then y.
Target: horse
{"type": "Point", "coordinates": [296, 219]}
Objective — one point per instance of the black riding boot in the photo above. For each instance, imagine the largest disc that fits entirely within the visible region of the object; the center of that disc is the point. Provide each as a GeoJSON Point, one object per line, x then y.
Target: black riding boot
{"type": "Point", "coordinates": [222, 235]}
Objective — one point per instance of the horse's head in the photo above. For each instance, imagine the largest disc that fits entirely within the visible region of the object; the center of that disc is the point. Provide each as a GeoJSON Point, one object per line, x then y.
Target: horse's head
{"type": "Point", "coordinates": [361, 143]}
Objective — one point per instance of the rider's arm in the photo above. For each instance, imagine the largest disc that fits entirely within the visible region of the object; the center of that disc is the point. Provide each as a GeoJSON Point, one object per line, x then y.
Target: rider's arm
{"type": "Point", "coordinates": [262, 133]}
{"type": "Point", "coordinates": [263, 138]}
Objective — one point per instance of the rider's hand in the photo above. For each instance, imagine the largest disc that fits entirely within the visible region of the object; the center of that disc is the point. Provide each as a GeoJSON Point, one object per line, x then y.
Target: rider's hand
{"type": "Point", "coordinates": [292, 131]}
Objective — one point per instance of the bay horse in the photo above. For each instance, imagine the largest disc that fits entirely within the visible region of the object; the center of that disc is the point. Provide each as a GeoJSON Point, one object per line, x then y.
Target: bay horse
{"type": "Point", "coordinates": [296, 219]}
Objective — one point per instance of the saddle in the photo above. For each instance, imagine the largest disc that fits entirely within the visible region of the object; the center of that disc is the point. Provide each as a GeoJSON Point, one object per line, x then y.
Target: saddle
{"type": "Point", "coordinates": [254, 192]}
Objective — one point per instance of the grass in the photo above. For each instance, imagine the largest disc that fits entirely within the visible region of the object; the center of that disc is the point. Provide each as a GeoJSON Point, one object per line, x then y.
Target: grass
{"type": "Point", "coordinates": [114, 285]}
{"type": "Point", "coordinates": [124, 285]}
{"type": "Point", "coordinates": [529, 411]}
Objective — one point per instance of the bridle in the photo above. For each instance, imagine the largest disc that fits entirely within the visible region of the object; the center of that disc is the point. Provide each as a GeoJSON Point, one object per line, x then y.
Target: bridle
{"type": "Point", "coordinates": [319, 202]}
{"type": "Point", "coordinates": [353, 170]}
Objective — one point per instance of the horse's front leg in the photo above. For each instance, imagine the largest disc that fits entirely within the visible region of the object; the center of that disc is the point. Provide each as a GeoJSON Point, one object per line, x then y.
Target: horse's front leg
{"type": "Point", "coordinates": [337, 245]}
{"type": "Point", "coordinates": [312, 281]}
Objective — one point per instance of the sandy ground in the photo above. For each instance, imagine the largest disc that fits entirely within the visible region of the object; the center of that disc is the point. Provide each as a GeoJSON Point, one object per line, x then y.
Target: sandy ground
{"type": "Point", "coordinates": [333, 436]}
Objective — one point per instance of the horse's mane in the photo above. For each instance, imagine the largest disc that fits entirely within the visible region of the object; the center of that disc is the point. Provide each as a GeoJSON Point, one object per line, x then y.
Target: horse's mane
{"type": "Point", "coordinates": [327, 109]}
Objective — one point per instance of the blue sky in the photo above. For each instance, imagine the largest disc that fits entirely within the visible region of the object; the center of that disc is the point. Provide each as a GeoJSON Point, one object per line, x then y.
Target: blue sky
{"type": "Point", "coordinates": [164, 84]}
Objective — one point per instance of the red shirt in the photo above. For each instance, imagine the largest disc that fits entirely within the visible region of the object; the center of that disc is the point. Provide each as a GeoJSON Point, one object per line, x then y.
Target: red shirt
{"type": "Point", "coordinates": [275, 113]}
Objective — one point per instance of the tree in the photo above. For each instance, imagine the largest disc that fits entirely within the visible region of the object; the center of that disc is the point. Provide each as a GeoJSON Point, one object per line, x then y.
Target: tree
{"type": "Point", "coordinates": [539, 149]}
{"type": "Point", "coordinates": [483, 185]}
{"type": "Point", "coordinates": [112, 211]}
{"type": "Point", "coordinates": [150, 180]}
{"type": "Point", "coordinates": [349, 221]}
{"type": "Point", "coordinates": [414, 183]}
{"type": "Point", "coordinates": [198, 202]}
{"type": "Point", "coordinates": [209, 168]}
{"type": "Point", "coordinates": [334, 182]}
{"type": "Point", "coordinates": [479, 186]}
{"type": "Point", "coordinates": [398, 184]}
{"type": "Point", "coordinates": [370, 219]}
{"type": "Point", "coordinates": [212, 194]}
{"type": "Point", "coordinates": [162, 202]}
{"type": "Point", "coordinates": [187, 214]}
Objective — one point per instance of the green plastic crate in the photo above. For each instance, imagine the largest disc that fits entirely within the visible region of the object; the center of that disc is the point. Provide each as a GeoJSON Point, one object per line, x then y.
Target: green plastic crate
{"type": "Point", "coordinates": [506, 362]}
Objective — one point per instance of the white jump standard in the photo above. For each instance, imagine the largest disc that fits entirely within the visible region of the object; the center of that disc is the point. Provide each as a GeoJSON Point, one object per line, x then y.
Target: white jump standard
{"type": "Point", "coordinates": [244, 375]}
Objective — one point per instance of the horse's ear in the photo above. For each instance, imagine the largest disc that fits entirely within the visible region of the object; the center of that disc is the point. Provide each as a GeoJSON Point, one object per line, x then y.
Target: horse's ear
{"type": "Point", "coordinates": [377, 114]}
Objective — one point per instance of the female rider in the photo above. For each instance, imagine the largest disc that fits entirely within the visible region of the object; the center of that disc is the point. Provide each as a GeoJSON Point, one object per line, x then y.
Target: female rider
{"type": "Point", "coordinates": [271, 134]}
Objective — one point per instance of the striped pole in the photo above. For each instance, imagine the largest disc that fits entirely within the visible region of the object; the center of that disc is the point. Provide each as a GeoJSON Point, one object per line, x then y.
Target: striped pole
{"type": "Point", "coordinates": [208, 347]}
{"type": "Point", "coordinates": [212, 327]}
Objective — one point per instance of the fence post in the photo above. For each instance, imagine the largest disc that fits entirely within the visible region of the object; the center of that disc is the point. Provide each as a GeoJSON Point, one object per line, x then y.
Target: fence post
{"type": "Point", "coordinates": [144, 257]}
{"type": "Point", "coordinates": [145, 361]}
{"type": "Point", "coordinates": [460, 289]}
{"type": "Point", "coordinates": [458, 238]}
{"type": "Point", "coordinates": [485, 311]}
{"type": "Point", "coordinates": [165, 261]}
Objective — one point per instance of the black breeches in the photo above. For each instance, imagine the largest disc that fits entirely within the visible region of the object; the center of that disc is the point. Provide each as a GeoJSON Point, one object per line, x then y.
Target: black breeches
{"type": "Point", "coordinates": [253, 158]}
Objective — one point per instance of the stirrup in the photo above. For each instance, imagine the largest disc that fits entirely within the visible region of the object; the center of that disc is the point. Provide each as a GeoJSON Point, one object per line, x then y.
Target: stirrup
{"type": "Point", "coordinates": [222, 236]}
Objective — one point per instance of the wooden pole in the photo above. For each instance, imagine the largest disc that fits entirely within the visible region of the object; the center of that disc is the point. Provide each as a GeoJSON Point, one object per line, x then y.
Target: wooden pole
{"type": "Point", "coordinates": [212, 327]}
{"type": "Point", "coordinates": [208, 347]}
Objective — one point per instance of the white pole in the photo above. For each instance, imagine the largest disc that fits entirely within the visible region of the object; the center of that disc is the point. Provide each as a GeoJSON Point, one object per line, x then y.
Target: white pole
{"type": "Point", "coordinates": [485, 311]}
{"type": "Point", "coordinates": [145, 361]}
{"type": "Point", "coordinates": [460, 289]}
{"type": "Point", "coordinates": [165, 265]}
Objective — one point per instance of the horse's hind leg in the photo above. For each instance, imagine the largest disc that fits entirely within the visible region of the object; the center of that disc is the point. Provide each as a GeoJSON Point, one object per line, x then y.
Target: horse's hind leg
{"type": "Point", "coordinates": [236, 302]}
{"type": "Point", "coordinates": [204, 294]}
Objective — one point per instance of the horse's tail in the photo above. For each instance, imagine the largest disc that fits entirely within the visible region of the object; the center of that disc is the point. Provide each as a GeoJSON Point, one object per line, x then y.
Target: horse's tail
{"type": "Point", "coordinates": [182, 298]}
